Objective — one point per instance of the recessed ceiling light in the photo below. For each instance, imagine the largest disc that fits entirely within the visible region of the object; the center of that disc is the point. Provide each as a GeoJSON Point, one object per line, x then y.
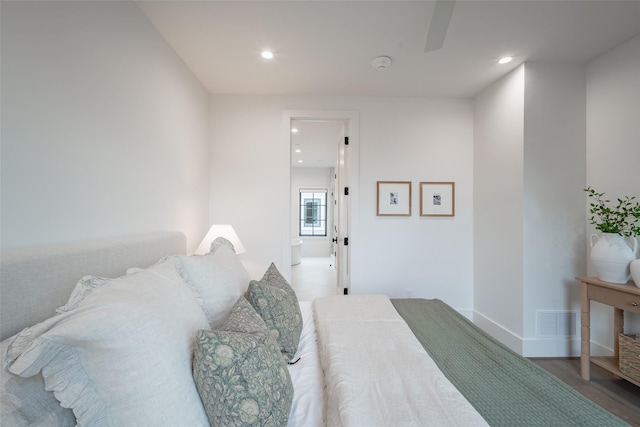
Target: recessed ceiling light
{"type": "Point", "coordinates": [505, 59]}
{"type": "Point", "coordinates": [299, 161]}
{"type": "Point", "coordinates": [294, 130]}
{"type": "Point", "coordinates": [298, 150]}
{"type": "Point", "coordinates": [267, 54]}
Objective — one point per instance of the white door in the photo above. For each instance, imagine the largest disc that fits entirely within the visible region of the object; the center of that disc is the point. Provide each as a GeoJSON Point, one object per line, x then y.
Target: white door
{"type": "Point", "coordinates": [333, 226]}
{"type": "Point", "coordinates": [343, 205]}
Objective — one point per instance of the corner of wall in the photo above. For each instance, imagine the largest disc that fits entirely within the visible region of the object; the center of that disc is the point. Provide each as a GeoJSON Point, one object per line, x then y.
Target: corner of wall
{"type": "Point", "coordinates": [502, 334]}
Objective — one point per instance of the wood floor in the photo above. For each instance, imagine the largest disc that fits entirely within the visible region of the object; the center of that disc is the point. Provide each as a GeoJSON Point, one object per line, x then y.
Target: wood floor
{"type": "Point", "coordinates": [616, 395]}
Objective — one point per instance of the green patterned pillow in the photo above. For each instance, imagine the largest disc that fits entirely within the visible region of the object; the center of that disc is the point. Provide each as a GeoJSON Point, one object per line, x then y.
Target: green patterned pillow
{"type": "Point", "coordinates": [240, 374]}
{"type": "Point", "coordinates": [244, 318]}
{"type": "Point", "coordinates": [276, 302]}
{"type": "Point", "coordinates": [242, 379]}
{"type": "Point", "coordinates": [273, 277]}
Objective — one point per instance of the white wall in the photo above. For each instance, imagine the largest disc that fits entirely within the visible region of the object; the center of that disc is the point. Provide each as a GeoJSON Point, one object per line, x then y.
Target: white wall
{"type": "Point", "coordinates": [613, 149]}
{"type": "Point", "coordinates": [529, 204]}
{"type": "Point", "coordinates": [413, 139]}
{"type": "Point", "coordinates": [498, 208]}
{"type": "Point", "coordinates": [554, 217]}
{"type": "Point", "coordinates": [104, 129]}
{"type": "Point", "coordinates": [319, 178]}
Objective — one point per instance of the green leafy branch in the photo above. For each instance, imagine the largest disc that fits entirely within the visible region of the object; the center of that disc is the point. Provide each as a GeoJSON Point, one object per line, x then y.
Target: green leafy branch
{"type": "Point", "coordinates": [622, 219]}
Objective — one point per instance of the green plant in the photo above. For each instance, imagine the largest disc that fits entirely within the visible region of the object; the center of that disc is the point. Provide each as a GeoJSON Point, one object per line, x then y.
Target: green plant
{"type": "Point", "coordinates": [621, 219]}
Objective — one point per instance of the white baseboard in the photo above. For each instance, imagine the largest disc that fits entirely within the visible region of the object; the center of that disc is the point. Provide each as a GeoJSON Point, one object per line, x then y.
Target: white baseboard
{"type": "Point", "coordinates": [537, 347]}
{"type": "Point", "coordinates": [503, 335]}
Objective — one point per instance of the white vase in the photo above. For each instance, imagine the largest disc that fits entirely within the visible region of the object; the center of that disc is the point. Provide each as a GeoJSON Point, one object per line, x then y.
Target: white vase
{"type": "Point", "coordinates": [635, 271]}
{"type": "Point", "coordinates": [611, 255]}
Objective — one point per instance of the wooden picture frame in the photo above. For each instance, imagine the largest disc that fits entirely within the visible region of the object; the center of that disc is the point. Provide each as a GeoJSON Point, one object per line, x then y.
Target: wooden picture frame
{"type": "Point", "coordinates": [437, 199]}
{"type": "Point", "coordinates": [393, 198]}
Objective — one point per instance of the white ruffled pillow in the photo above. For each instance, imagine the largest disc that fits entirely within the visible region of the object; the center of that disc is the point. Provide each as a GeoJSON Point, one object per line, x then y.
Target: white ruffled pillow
{"type": "Point", "coordinates": [119, 352]}
{"type": "Point", "coordinates": [25, 403]}
{"type": "Point", "coordinates": [217, 279]}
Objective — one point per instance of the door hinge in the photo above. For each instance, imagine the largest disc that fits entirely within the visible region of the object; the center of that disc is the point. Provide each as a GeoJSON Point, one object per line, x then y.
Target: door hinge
{"type": "Point", "coordinates": [346, 140]}
{"type": "Point", "coordinates": [346, 191]}
{"type": "Point", "coordinates": [346, 241]}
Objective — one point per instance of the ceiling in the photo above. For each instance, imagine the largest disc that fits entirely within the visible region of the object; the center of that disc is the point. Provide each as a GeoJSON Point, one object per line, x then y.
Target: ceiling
{"type": "Point", "coordinates": [315, 144]}
{"type": "Point", "coordinates": [327, 47]}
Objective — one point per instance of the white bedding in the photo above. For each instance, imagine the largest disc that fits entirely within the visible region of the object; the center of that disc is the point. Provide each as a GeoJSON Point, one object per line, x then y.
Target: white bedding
{"type": "Point", "coordinates": [378, 372]}
{"type": "Point", "coordinates": [308, 405]}
{"type": "Point", "coordinates": [386, 381]}
{"type": "Point", "coordinates": [25, 401]}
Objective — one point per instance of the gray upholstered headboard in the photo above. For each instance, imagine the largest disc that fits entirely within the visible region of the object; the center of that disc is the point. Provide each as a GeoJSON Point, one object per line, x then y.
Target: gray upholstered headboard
{"type": "Point", "coordinates": [34, 282]}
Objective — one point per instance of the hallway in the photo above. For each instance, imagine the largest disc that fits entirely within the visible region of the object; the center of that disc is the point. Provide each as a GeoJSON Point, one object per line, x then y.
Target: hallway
{"type": "Point", "coordinates": [314, 278]}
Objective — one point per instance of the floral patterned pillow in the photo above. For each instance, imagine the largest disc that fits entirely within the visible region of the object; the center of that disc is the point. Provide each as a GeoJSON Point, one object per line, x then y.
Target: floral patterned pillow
{"type": "Point", "coordinates": [273, 277]}
{"type": "Point", "coordinates": [244, 318]}
{"type": "Point", "coordinates": [276, 302]}
{"type": "Point", "coordinates": [240, 374]}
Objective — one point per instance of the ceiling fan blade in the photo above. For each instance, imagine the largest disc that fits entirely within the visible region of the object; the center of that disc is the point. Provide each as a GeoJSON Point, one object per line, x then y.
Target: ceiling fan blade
{"type": "Point", "coordinates": [439, 24]}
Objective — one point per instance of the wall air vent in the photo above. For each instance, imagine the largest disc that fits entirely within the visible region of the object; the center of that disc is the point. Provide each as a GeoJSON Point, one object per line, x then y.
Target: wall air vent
{"type": "Point", "coordinates": [556, 323]}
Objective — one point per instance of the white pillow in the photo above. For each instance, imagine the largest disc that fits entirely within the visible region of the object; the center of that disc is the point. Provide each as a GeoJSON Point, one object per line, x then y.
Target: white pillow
{"type": "Point", "coordinates": [119, 352]}
{"type": "Point", "coordinates": [25, 403]}
{"type": "Point", "coordinates": [165, 266]}
{"type": "Point", "coordinates": [218, 279]}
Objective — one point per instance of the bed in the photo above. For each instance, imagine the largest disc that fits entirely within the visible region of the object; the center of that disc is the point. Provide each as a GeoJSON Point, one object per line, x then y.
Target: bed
{"type": "Point", "coordinates": [131, 331]}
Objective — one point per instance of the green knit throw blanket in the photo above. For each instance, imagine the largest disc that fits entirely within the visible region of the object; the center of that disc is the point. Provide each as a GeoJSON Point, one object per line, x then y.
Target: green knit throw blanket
{"type": "Point", "coordinates": [504, 387]}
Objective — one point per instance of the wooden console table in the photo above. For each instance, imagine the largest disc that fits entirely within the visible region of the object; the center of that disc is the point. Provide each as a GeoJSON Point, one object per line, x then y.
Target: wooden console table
{"type": "Point", "coordinates": [621, 298]}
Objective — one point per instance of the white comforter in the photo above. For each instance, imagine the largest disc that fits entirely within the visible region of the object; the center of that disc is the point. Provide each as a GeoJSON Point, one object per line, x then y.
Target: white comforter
{"type": "Point", "coordinates": [307, 409]}
{"type": "Point", "coordinates": [376, 371]}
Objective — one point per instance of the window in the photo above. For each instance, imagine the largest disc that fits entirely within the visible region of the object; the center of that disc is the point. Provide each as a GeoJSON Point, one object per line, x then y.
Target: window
{"type": "Point", "coordinates": [313, 212]}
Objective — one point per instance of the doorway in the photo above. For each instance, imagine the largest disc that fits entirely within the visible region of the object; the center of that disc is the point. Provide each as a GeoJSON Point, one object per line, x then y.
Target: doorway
{"type": "Point", "coordinates": [321, 161]}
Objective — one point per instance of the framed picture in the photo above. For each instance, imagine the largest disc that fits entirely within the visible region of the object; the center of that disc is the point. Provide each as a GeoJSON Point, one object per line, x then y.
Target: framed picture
{"type": "Point", "coordinates": [394, 198]}
{"type": "Point", "coordinates": [437, 199]}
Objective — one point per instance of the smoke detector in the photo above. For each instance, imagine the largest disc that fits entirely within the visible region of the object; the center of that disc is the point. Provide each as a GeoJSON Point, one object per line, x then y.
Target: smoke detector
{"type": "Point", "coordinates": [381, 63]}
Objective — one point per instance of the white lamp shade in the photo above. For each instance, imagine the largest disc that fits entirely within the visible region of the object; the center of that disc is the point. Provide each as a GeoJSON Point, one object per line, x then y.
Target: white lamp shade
{"type": "Point", "coordinates": [220, 230]}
